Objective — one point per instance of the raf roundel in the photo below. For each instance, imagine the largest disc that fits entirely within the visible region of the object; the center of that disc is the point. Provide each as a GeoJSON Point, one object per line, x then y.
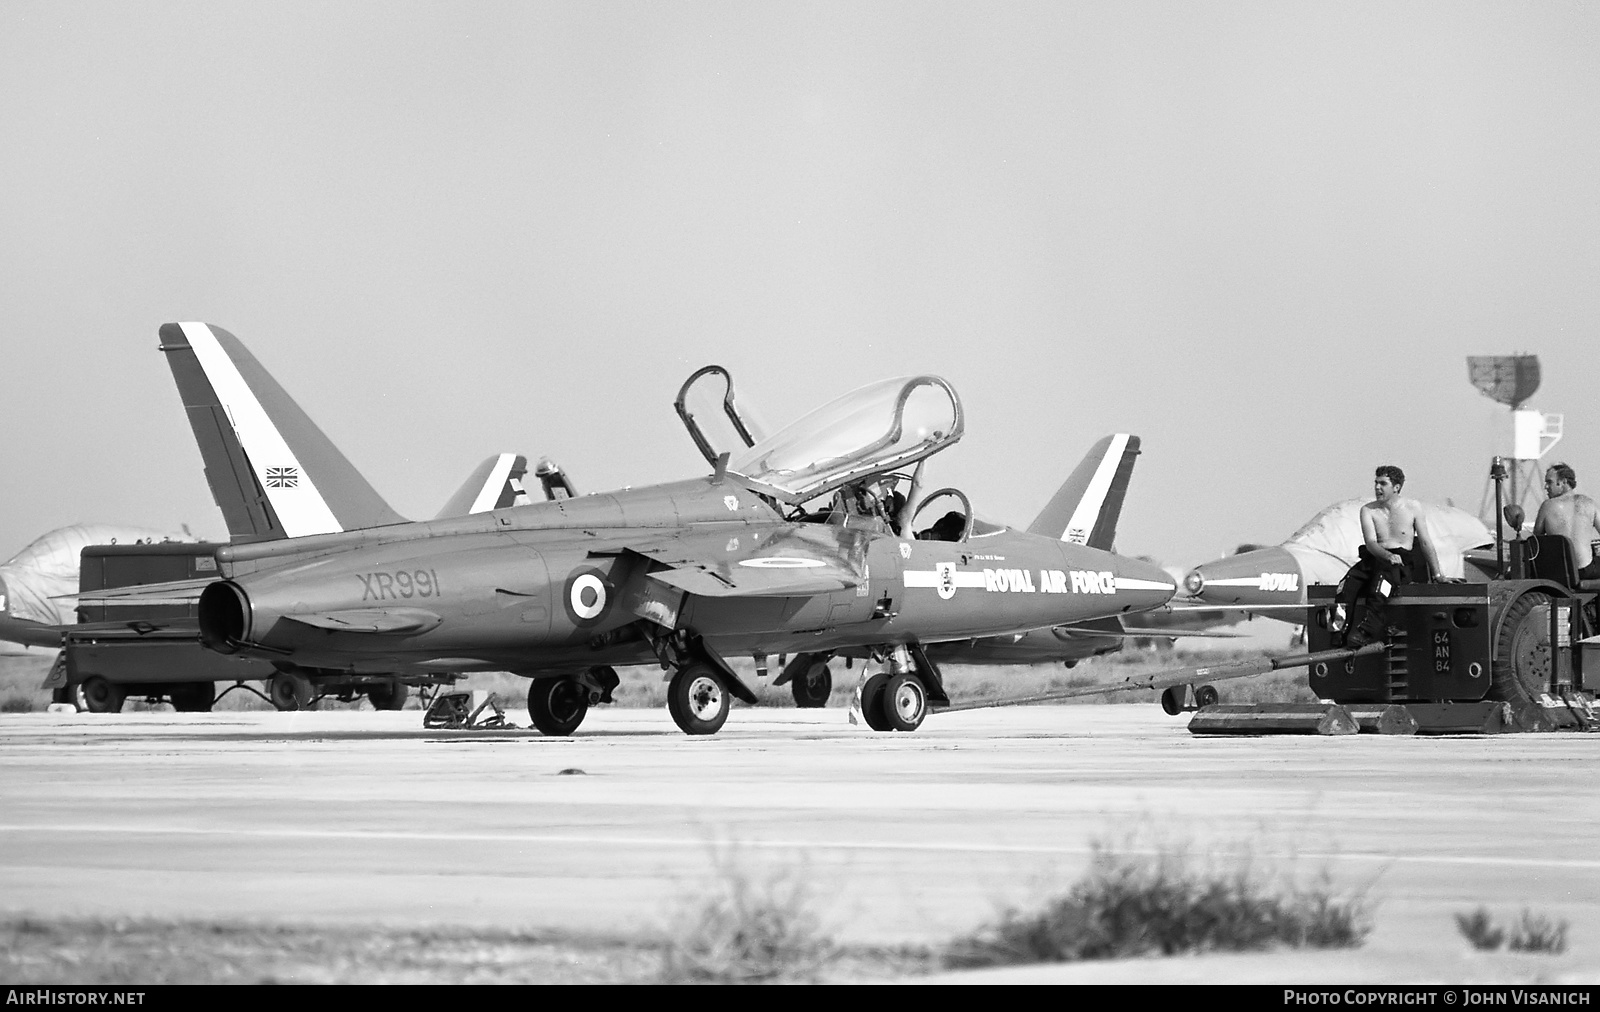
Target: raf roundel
{"type": "Point", "coordinates": [586, 597]}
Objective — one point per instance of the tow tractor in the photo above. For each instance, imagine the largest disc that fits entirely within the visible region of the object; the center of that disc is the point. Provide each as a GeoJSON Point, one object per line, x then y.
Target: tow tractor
{"type": "Point", "coordinates": [1509, 651]}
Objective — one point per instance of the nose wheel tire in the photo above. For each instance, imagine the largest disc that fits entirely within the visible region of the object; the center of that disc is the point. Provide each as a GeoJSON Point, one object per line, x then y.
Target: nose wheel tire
{"type": "Point", "coordinates": [697, 701]}
{"type": "Point", "coordinates": [812, 686]}
{"type": "Point", "coordinates": [905, 702]}
{"type": "Point", "coordinates": [557, 705]}
{"type": "Point", "coordinates": [1206, 696]}
{"type": "Point", "coordinates": [100, 696]}
{"type": "Point", "coordinates": [872, 702]}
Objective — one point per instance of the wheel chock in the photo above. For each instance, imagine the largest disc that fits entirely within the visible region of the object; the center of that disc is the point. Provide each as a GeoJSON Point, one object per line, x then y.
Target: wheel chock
{"type": "Point", "coordinates": [1273, 718]}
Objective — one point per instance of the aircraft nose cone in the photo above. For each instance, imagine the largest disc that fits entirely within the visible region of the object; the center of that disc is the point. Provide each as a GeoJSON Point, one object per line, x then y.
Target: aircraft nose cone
{"type": "Point", "coordinates": [1146, 585]}
{"type": "Point", "coordinates": [1264, 576]}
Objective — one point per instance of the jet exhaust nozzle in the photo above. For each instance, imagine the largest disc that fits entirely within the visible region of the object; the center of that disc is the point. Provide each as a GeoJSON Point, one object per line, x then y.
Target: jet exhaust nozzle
{"type": "Point", "coordinates": [224, 617]}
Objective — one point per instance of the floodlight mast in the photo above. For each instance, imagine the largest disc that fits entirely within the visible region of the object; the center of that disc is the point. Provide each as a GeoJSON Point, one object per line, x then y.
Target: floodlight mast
{"type": "Point", "coordinates": [1511, 380]}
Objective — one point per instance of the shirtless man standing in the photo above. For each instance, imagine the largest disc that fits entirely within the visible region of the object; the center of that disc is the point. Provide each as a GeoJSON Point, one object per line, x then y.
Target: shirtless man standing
{"type": "Point", "coordinates": [1392, 528]}
{"type": "Point", "coordinates": [1571, 515]}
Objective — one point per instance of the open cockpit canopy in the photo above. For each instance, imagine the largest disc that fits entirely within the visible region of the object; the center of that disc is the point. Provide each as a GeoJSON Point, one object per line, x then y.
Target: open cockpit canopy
{"type": "Point", "coordinates": [878, 428]}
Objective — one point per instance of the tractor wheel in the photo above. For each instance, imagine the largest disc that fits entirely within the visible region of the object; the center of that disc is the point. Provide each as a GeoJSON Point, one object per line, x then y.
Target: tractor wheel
{"type": "Point", "coordinates": [289, 691]}
{"type": "Point", "coordinates": [100, 696]}
{"type": "Point", "coordinates": [388, 695]}
{"type": "Point", "coordinates": [192, 697]}
{"type": "Point", "coordinates": [872, 702]}
{"type": "Point", "coordinates": [557, 705]}
{"type": "Point", "coordinates": [905, 702]}
{"type": "Point", "coordinates": [697, 701]}
{"type": "Point", "coordinates": [1522, 657]}
{"type": "Point", "coordinates": [812, 684]}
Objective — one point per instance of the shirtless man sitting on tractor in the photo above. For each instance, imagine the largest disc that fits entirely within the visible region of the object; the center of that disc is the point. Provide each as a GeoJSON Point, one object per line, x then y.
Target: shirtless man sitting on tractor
{"type": "Point", "coordinates": [1571, 515]}
{"type": "Point", "coordinates": [1392, 528]}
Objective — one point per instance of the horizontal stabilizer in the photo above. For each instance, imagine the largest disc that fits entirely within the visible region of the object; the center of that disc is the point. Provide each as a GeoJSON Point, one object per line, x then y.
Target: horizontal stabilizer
{"type": "Point", "coordinates": [744, 581]}
{"type": "Point", "coordinates": [390, 621]}
{"type": "Point", "coordinates": [176, 592]}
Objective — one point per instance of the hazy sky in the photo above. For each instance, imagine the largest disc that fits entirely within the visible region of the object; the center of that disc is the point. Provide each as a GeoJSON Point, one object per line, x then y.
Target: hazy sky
{"type": "Point", "coordinates": [1263, 236]}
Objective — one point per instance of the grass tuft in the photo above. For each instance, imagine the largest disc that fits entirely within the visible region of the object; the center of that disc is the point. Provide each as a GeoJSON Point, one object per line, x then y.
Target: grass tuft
{"type": "Point", "coordinates": [752, 928]}
{"type": "Point", "coordinates": [1128, 905]}
{"type": "Point", "coordinates": [1538, 933]}
{"type": "Point", "coordinates": [1531, 933]}
{"type": "Point", "coordinates": [1479, 929]}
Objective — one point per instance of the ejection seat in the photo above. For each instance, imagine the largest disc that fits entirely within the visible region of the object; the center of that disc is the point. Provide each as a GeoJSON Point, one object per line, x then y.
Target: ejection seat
{"type": "Point", "coordinates": [1549, 557]}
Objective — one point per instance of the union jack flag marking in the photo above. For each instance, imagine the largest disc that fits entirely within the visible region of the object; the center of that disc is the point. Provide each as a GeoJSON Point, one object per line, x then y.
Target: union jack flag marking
{"type": "Point", "coordinates": [283, 477]}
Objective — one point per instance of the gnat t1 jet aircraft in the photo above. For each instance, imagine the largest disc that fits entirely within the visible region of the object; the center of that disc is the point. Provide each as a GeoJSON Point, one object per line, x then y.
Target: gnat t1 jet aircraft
{"type": "Point", "coordinates": [1272, 581]}
{"type": "Point", "coordinates": [787, 546]}
{"type": "Point", "coordinates": [1084, 511]}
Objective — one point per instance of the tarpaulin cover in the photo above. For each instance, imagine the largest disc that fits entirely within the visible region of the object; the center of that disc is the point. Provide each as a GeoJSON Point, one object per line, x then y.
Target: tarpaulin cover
{"type": "Point", "coordinates": [1326, 545]}
{"type": "Point", "coordinates": [41, 581]}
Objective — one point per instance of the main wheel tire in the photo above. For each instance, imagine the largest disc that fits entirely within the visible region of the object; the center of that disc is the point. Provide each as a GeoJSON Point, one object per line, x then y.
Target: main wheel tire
{"type": "Point", "coordinates": [872, 706]}
{"type": "Point", "coordinates": [289, 691]}
{"type": "Point", "coordinates": [697, 700]}
{"type": "Point", "coordinates": [193, 697]}
{"type": "Point", "coordinates": [812, 685]}
{"type": "Point", "coordinates": [905, 702]}
{"type": "Point", "coordinates": [1521, 668]}
{"type": "Point", "coordinates": [389, 695]}
{"type": "Point", "coordinates": [557, 705]}
{"type": "Point", "coordinates": [101, 696]}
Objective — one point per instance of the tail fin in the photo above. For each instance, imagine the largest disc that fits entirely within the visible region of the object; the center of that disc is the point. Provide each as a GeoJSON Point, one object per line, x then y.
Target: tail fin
{"type": "Point", "coordinates": [272, 472]}
{"type": "Point", "coordinates": [494, 484]}
{"type": "Point", "coordinates": [1086, 508]}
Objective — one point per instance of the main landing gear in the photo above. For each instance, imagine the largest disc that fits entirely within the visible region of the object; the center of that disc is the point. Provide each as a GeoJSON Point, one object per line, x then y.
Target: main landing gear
{"type": "Point", "coordinates": [697, 700]}
{"type": "Point", "coordinates": [559, 704]}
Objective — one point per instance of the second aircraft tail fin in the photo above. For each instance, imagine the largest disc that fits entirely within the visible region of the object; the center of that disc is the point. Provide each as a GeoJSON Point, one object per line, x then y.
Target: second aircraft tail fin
{"type": "Point", "coordinates": [1085, 509]}
{"type": "Point", "coordinates": [272, 472]}
{"type": "Point", "coordinates": [493, 485]}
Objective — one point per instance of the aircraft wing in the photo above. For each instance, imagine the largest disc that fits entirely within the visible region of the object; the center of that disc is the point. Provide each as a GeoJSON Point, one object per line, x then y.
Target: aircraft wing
{"type": "Point", "coordinates": [391, 621]}
{"type": "Point", "coordinates": [1172, 634]}
{"type": "Point", "coordinates": [733, 562]}
{"type": "Point", "coordinates": [755, 581]}
{"type": "Point", "coordinates": [28, 632]}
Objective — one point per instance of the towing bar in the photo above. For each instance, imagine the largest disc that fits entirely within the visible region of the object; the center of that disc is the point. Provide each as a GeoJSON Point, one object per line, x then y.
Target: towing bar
{"type": "Point", "coordinates": [1181, 676]}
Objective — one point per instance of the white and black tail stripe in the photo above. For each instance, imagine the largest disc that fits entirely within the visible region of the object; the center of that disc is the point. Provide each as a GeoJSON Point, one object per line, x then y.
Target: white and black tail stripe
{"type": "Point", "coordinates": [1086, 508]}
{"type": "Point", "coordinates": [273, 473]}
{"type": "Point", "coordinates": [300, 507]}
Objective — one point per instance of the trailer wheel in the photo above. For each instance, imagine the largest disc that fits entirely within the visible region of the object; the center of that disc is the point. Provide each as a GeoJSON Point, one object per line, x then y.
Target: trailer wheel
{"type": "Point", "coordinates": [557, 705]}
{"type": "Point", "coordinates": [905, 702]}
{"type": "Point", "coordinates": [100, 696]}
{"type": "Point", "coordinates": [812, 686]}
{"type": "Point", "coordinates": [872, 702]}
{"type": "Point", "coordinates": [192, 697]}
{"type": "Point", "coordinates": [388, 696]}
{"type": "Point", "coordinates": [1522, 660]}
{"type": "Point", "coordinates": [697, 700]}
{"type": "Point", "coordinates": [289, 691]}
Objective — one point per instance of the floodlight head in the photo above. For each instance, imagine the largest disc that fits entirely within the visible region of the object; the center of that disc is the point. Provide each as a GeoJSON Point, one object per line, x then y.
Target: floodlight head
{"type": "Point", "coordinates": [1508, 379]}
